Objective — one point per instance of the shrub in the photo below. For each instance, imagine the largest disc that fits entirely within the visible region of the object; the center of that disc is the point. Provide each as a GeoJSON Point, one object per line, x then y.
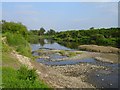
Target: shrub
{"type": "Point", "coordinates": [62, 52]}
{"type": "Point", "coordinates": [71, 54]}
{"type": "Point", "coordinates": [12, 78]}
{"type": "Point", "coordinates": [25, 74]}
{"type": "Point", "coordinates": [18, 42]}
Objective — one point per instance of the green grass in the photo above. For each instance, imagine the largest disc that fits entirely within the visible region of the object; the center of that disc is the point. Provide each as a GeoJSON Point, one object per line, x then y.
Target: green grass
{"type": "Point", "coordinates": [9, 61]}
{"type": "Point", "coordinates": [67, 53]}
{"type": "Point", "coordinates": [62, 52]}
{"type": "Point", "coordinates": [13, 75]}
{"type": "Point", "coordinates": [71, 54]}
{"type": "Point", "coordinates": [19, 43]}
{"type": "Point", "coordinates": [21, 78]}
{"type": "Point", "coordinates": [7, 58]}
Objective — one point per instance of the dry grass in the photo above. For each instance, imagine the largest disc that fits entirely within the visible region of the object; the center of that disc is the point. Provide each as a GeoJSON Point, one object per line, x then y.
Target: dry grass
{"type": "Point", "coordinates": [96, 48]}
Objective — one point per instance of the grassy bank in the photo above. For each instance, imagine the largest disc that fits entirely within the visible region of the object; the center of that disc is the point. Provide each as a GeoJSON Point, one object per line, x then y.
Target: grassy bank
{"type": "Point", "coordinates": [21, 78]}
{"type": "Point", "coordinates": [19, 43]}
{"type": "Point", "coordinates": [14, 75]}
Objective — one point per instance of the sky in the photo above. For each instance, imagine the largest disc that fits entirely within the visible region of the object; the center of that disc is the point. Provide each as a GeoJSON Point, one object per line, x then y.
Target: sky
{"type": "Point", "coordinates": [62, 16]}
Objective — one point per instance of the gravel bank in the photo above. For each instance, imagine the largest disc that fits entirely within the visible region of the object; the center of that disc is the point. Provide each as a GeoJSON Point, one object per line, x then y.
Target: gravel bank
{"type": "Point", "coordinates": [96, 48]}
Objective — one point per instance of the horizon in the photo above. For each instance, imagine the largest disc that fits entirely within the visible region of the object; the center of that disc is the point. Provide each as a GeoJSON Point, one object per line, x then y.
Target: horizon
{"type": "Point", "coordinates": [62, 16]}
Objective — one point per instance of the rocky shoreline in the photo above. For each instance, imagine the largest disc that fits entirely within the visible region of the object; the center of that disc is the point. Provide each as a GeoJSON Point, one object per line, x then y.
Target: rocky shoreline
{"type": "Point", "coordinates": [73, 76]}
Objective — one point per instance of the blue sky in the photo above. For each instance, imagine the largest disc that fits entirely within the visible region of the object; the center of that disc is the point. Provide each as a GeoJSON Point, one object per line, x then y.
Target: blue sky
{"type": "Point", "coordinates": [62, 15]}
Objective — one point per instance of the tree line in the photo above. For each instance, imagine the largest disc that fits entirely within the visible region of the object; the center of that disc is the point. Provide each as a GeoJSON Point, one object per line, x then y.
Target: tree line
{"type": "Point", "coordinates": [101, 36]}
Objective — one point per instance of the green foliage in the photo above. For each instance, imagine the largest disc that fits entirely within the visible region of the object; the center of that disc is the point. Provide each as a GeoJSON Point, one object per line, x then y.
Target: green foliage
{"type": "Point", "coordinates": [71, 54]}
{"type": "Point", "coordinates": [11, 78]}
{"type": "Point", "coordinates": [18, 42]}
{"type": "Point", "coordinates": [62, 52]}
{"type": "Point", "coordinates": [25, 74]}
{"type": "Point", "coordinates": [51, 32]}
{"type": "Point", "coordinates": [13, 27]}
{"type": "Point", "coordinates": [107, 37]}
{"type": "Point", "coordinates": [5, 48]}
{"type": "Point", "coordinates": [33, 39]}
{"type": "Point", "coordinates": [68, 53]}
{"type": "Point", "coordinates": [41, 31]}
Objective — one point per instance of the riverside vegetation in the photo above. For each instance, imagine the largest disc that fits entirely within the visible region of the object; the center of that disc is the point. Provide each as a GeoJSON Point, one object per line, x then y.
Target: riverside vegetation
{"type": "Point", "coordinates": [100, 36]}
{"type": "Point", "coordinates": [15, 36]}
{"type": "Point", "coordinates": [15, 75]}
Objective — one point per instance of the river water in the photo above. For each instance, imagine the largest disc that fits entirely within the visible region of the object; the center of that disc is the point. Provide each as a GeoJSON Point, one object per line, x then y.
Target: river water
{"type": "Point", "coordinates": [106, 79]}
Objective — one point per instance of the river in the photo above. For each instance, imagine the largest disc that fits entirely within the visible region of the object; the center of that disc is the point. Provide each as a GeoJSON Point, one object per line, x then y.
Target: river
{"type": "Point", "coordinates": [100, 79]}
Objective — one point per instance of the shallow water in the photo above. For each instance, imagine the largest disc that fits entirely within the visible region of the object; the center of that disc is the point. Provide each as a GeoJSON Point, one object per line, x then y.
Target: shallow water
{"type": "Point", "coordinates": [65, 62]}
{"type": "Point", "coordinates": [99, 78]}
{"type": "Point", "coordinates": [104, 78]}
{"type": "Point", "coordinates": [56, 56]}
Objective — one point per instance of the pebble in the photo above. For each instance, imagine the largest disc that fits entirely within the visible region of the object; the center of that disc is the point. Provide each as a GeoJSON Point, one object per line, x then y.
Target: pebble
{"type": "Point", "coordinates": [106, 69]}
{"type": "Point", "coordinates": [102, 79]}
{"type": "Point", "coordinates": [98, 75]}
{"type": "Point", "coordinates": [110, 84]}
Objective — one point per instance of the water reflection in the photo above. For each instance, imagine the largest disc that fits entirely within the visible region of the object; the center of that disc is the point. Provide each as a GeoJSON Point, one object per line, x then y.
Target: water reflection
{"type": "Point", "coordinates": [48, 44]}
{"type": "Point", "coordinates": [50, 41]}
{"type": "Point", "coordinates": [72, 45]}
{"type": "Point", "coordinates": [42, 42]}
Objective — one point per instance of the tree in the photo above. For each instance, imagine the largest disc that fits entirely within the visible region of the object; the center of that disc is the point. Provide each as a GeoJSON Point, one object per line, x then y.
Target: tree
{"type": "Point", "coordinates": [12, 27]}
{"type": "Point", "coordinates": [41, 31]}
{"type": "Point", "coordinates": [51, 32]}
{"type": "Point", "coordinates": [91, 28]}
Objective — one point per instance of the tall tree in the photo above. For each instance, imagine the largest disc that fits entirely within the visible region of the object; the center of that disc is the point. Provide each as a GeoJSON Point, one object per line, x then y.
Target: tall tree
{"type": "Point", "coordinates": [41, 31]}
{"type": "Point", "coordinates": [51, 32]}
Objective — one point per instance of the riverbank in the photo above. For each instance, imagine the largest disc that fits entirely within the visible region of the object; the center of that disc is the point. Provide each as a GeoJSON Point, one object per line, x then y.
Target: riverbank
{"type": "Point", "coordinates": [102, 49]}
{"type": "Point", "coordinates": [100, 66]}
{"type": "Point", "coordinates": [76, 55]}
{"type": "Point", "coordinates": [55, 78]}
{"type": "Point", "coordinates": [51, 76]}
{"type": "Point", "coordinates": [17, 71]}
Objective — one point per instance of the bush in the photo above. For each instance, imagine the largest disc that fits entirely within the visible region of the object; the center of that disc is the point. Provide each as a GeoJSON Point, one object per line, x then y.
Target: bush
{"type": "Point", "coordinates": [71, 54]}
{"type": "Point", "coordinates": [25, 74]}
{"type": "Point", "coordinates": [18, 42]}
{"type": "Point", "coordinates": [12, 78]}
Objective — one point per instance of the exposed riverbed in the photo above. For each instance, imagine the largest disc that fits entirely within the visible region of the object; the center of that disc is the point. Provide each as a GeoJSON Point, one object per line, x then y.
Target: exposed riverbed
{"type": "Point", "coordinates": [98, 69]}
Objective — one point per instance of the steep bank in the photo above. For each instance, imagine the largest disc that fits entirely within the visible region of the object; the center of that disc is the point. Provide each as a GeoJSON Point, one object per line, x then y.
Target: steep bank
{"type": "Point", "coordinates": [13, 73]}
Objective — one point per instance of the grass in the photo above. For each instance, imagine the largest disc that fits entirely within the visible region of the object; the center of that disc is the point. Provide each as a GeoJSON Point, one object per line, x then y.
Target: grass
{"type": "Point", "coordinates": [9, 61]}
{"type": "Point", "coordinates": [19, 43]}
{"type": "Point", "coordinates": [13, 75]}
{"type": "Point", "coordinates": [22, 78]}
{"type": "Point", "coordinates": [71, 54]}
{"type": "Point", "coordinates": [62, 52]}
{"type": "Point", "coordinates": [68, 53]}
